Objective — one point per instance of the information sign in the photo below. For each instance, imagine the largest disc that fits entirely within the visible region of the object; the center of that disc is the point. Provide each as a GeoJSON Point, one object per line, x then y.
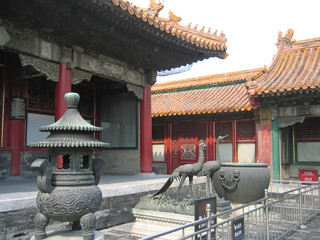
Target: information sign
{"type": "Point", "coordinates": [237, 229]}
{"type": "Point", "coordinates": [308, 175]}
{"type": "Point", "coordinates": [18, 108]}
{"type": "Point", "coordinates": [200, 206]}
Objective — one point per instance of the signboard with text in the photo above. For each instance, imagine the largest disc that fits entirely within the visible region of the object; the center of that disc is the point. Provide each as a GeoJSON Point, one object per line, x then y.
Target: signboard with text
{"type": "Point", "coordinates": [18, 108]}
{"type": "Point", "coordinates": [200, 206]}
{"type": "Point", "coordinates": [308, 175]}
{"type": "Point", "coordinates": [237, 229]}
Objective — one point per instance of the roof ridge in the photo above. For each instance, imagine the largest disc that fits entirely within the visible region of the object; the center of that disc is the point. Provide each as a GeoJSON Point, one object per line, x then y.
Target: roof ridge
{"type": "Point", "coordinates": [191, 35]}
{"type": "Point", "coordinates": [205, 101]}
{"type": "Point", "coordinates": [305, 43]}
{"type": "Point", "coordinates": [290, 53]}
{"type": "Point", "coordinates": [220, 79]}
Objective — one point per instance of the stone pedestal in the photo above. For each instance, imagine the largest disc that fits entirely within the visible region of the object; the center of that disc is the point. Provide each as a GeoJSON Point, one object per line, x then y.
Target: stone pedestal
{"type": "Point", "coordinates": [223, 205]}
{"type": "Point", "coordinates": [70, 235]}
{"type": "Point", "coordinates": [151, 222]}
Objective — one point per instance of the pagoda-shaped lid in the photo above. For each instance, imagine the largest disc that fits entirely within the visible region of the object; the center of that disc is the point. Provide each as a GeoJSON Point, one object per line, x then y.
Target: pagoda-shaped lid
{"type": "Point", "coordinates": [71, 119]}
{"type": "Point", "coordinates": [71, 130]}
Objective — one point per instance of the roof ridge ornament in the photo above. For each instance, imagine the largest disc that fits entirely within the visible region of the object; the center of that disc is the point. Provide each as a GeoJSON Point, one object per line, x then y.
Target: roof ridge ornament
{"type": "Point", "coordinates": [286, 40]}
{"type": "Point", "coordinates": [154, 8]}
{"type": "Point", "coordinates": [209, 42]}
{"type": "Point", "coordinates": [174, 19]}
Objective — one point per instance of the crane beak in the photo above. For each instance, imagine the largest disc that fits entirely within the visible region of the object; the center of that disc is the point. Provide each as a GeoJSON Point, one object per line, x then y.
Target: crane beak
{"type": "Point", "coordinates": [224, 136]}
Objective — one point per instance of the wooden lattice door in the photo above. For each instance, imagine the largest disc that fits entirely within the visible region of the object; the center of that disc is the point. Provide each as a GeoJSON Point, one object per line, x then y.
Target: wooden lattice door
{"type": "Point", "coordinates": [185, 142]}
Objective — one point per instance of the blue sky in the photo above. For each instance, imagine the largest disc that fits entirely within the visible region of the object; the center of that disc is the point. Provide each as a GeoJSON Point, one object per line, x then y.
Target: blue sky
{"type": "Point", "coordinates": [251, 27]}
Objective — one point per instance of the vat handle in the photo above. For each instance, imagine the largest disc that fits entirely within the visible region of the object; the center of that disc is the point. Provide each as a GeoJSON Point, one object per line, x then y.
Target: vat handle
{"type": "Point", "coordinates": [235, 179]}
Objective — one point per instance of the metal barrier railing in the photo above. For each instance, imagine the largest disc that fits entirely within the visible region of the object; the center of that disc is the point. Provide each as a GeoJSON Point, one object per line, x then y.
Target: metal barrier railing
{"type": "Point", "coordinates": [287, 206]}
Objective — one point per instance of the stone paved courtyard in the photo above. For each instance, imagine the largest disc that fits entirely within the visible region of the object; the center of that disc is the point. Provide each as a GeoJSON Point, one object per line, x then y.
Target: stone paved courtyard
{"type": "Point", "coordinates": [312, 231]}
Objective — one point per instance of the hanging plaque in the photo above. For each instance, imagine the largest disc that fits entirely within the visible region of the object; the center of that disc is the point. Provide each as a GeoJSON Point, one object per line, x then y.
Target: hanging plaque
{"type": "Point", "coordinates": [18, 108]}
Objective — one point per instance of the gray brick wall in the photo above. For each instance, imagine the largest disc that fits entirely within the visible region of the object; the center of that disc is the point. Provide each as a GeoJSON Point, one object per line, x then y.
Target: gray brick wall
{"type": "Point", "coordinates": [5, 164]}
{"type": "Point", "coordinates": [19, 225]}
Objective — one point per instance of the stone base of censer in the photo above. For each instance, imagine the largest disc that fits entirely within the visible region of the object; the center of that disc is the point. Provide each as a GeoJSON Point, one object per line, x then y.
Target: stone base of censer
{"type": "Point", "coordinates": [71, 235]}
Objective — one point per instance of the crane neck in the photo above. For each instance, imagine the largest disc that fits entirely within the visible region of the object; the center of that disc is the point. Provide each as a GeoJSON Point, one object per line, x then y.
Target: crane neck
{"type": "Point", "coordinates": [218, 152]}
{"type": "Point", "coordinates": [201, 157]}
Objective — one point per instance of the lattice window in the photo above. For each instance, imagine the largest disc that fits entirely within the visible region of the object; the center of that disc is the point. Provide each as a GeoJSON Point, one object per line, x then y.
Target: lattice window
{"type": "Point", "coordinates": [245, 130]}
{"type": "Point", "coordinates": [188, 132]}
{"type": "Point", "coordinates": [157, 133]}
{"type": "Point", "coordinates": [188, 151]}
{"type": "Point", "coordinates": [202, 135]}
{"type": "Point", "coordinates": [187, 138]}
{"type": "Point", "coordinates": [175, 141]}
{"type": "Point", "coordinates": [188, 129]}
{"type": "Point", "coordinates": [309, 129]}
{"type": "Point", "coordinates": [222, 129]}
{"type": "Point", "coordinates": [41, 94]}
{"type": "Point", "coordinates": [202, 131]}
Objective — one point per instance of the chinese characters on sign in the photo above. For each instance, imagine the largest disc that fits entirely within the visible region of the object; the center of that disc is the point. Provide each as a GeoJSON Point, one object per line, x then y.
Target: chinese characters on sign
{"type": "Point", "coordinates": [200, 206]}
{"type": "Point", "coordinates": [308, 175]}
{"type": "Point", "coordinates": [237, 229]}
{"type": "Point", "coordinates": [18, 108]}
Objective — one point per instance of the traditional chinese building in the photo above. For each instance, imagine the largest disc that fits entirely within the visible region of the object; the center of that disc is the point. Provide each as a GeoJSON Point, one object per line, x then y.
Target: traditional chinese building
{"type": "Point", "coordinates": [186, 111]}
{"type": "Point", "coordinates": [270, 114]}
{"type": "Point", "coordinates": [109, 52]}
{"type": "Point", "coordinates": [288, 94]}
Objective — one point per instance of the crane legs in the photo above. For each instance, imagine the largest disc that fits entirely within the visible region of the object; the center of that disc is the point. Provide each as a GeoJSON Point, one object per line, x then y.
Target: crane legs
{"type": "Point", "coordinates": [190, 184]}
{"type": "Point", "coordinates": [180, 185]}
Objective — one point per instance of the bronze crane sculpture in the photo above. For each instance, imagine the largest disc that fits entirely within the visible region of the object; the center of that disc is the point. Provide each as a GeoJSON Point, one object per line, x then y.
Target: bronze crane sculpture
{"type": "Point", "coordinates": [210, 167]}
{"type": "Point", "coordinates": [184, 171]}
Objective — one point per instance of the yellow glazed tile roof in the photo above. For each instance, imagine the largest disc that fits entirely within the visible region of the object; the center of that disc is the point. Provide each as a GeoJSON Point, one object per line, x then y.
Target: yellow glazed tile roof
{"type": "Point", "coordinates": [199, 38]}
{"type": "Point", "coordinates": [296, 67]}
{"type": "Point", "coordinates": [220, 93]}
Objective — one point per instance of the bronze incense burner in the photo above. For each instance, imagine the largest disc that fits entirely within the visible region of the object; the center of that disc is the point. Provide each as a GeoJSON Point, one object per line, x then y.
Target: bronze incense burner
{"type": "Point", "coordinates": [68, 192]}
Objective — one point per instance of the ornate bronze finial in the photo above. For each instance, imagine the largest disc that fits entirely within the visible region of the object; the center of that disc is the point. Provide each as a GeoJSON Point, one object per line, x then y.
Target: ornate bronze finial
{"type": "Point", "coordinates": [195, 27]}
{"type": "Point", "coordinates": [202, 29]}
{"type": "Point", "coordinates": [72, 100]}
{"type": "Point", "coordinates": [286, 40]}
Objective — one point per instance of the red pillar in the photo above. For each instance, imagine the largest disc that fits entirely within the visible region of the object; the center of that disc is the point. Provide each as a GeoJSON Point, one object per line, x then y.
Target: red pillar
{"type": "Point", "coordinates": [62, 87]}
{"type": "Point", "coordinates": [16, 129]}
{"type": "Point", "coordinates": [264, 141]}
{"type": "Point", "coordinates": [15, 143]}
{"type": "Point", "coordinates": [210, 141]}
{"type": "Point", "coordinates": [146, 132]}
